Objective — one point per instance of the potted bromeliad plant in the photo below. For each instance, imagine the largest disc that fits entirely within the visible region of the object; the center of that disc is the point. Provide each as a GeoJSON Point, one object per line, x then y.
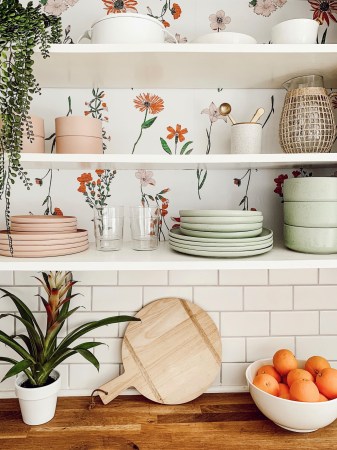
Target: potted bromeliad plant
{"type": "Point", "coordinates": [38, 381]}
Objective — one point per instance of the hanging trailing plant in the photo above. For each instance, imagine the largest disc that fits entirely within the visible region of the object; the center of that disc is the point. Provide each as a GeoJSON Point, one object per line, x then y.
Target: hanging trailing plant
{"type": "Point", "coordinates": [21, 29]}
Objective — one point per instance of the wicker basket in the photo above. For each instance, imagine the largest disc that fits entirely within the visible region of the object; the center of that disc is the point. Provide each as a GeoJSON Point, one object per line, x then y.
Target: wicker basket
{"type": "Point", "coordinates": [307, 122]}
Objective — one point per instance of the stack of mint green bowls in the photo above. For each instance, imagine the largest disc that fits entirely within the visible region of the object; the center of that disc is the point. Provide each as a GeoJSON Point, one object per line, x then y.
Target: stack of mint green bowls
{"type": "Point", "coordinates": [310, 214]}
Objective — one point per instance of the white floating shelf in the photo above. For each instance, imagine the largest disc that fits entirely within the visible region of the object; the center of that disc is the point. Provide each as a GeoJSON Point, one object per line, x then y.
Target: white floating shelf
{"type": "Point", "coordinates": [153, 66]}
{"type": "Point", "coordinates": [166, 259]}
{"type": "Point", "coordinates": [176, 162]}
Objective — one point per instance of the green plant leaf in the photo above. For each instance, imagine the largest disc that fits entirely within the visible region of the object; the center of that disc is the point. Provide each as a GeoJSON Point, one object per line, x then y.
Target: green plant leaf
{"type": "Point", "coordinates": [165, 146]}
{"type": "Point", "coordinates": [185, 146]}
{"type": "Point", "coordinates": [89, 357]}
{"type": "Point", "coordinates": [19, 367]}
{"type": "Point", "coordinates": [35, 340]}
{"type": "Point", "coordinates": [9, 360]}
{"type": "Point", "coordinates": [148, 123]}
{"type": "Point", "coordinates": [7, 340]}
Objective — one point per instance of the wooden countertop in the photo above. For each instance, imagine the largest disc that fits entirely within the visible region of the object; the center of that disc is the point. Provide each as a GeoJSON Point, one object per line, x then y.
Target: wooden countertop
{"type": "Point", "coordinates": [212, 422]}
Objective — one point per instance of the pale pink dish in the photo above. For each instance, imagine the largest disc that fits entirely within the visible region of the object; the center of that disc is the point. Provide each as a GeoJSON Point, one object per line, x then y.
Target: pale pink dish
{"type": "Point", "coordinates": [43, 219]}
{"type": "Point", "coordinates": [39, 254]}
{"type": "Point", "coordinates": [34, 236]}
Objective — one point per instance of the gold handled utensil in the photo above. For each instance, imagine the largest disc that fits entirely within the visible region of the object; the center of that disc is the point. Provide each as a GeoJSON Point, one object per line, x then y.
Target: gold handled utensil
{"type": "Point", "coordinates": [225, 109]}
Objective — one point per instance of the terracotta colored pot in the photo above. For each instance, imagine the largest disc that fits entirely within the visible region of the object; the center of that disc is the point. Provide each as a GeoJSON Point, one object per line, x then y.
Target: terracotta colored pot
{"type": "Point", "coordinates": [37, 145]}
{"type": "Point", "coordinates": [78, 126]}
{"type": "Point", "coordinates": [79, 144]}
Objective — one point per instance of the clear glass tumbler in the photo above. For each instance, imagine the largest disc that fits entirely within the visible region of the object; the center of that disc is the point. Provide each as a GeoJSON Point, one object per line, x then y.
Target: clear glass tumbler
{"type": "Point", "coordinates": [109, 223]}
{"type": "Point", "coordinates": [144, 222]}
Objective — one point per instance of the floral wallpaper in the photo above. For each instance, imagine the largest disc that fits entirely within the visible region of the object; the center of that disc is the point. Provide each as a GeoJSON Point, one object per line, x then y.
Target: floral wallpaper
{"type": "Point", "coordinates": [163, 121]}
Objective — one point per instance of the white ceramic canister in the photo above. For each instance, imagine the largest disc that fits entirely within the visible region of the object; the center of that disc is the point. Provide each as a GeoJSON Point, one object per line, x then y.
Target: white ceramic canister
{"type": "Point", "coordinates": [127, 28]}
{"type": "Point", "coordinates": [78, 134]}
{"type": "Point", "coordinates": [246, 138]}
{"type": "Point", "coordinates": [295, 31]}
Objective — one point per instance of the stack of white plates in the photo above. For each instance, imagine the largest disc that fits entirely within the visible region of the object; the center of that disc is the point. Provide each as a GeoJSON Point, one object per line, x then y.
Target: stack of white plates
{"type": "Point", "coordinates": [39, 236]}
{"type": "Point", "coordinates": [221, 234]}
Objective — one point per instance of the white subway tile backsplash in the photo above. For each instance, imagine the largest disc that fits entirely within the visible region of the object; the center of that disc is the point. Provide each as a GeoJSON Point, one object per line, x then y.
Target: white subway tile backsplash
{"type": "Point", "coordinates": [6, 278]}
{"type": "Point", "coordinates": [215, 316]}
{"type": "Point", "coordinates": [83, 299]}
{"type": "Point", "coordinates": [7, 385]}
{"type": "Point", "coordinates": [268, 298]}
{"type": "Point", "coordinates": [293, 276]}
{"type": "Point", "coordinates": [85, 376]}
{"type": "Point", "coordinates": [233, 350]}
{"type": "Point", "coordinates": [7, 326]}
{"type": "Point", "coordinates": [193, 277]}
{"type": "Point", "coordinates": [143, 278]}
{"type": "Point", "coordinates": [328, 276]}
{"type": "Point", "coordinates": [325, 346]}
{"type": "Point", "coordinates": [245, 324]}
{"type": "Point", "coordinates": [234, 374]}
{"type": "Point", "coordinates": [27, 278]}
{"type": "Point", "coordinates": [243, 277]}
{"type": "Point", "coordinates": [315, 297]}
{"type": "Point", "coordinates": [27, 294]}
{"type": "Point", "coordinates": [219, 298]}
{"type": "Point", "coordinates": [154, 293]}
{"type": "Point", "coordinates": [110, 351]}
{"type": "Point", "coordinates": [117, 298]}
{"type": "Point", "coordinates": [294, 323]}
{"type": "Point", "coordinates": [96, 278]}
{"type": "Point", "coordinates": [328, 323]}
{"type": "Point", "coordinates": [265, 347]}
{"type": "Point", "coordinates": [64, 372]}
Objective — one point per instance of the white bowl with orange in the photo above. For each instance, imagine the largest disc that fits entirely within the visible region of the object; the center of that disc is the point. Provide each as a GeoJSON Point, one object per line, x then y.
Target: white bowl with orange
{"type": "Point", "coordinates": [308, 404]}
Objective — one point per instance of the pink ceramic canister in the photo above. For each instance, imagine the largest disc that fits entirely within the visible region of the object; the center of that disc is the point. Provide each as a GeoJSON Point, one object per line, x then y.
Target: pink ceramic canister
{"type": "Point", "coordinates": [78, 134]}
{"type": "Point", "coordinates": [36, 143]}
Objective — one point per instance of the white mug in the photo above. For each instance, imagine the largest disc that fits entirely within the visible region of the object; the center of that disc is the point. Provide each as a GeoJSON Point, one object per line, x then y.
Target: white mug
{"type": "Point", "coordinates": [246, 138]}
{"type": "Point", "coordinates": [127, 28]}
{"type": "Point", "coordinates": [295, 31]}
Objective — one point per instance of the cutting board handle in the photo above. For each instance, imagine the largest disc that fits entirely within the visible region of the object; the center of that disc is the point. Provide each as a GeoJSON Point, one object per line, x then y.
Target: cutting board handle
{"type": "Point", "coordinates": [115, 387]}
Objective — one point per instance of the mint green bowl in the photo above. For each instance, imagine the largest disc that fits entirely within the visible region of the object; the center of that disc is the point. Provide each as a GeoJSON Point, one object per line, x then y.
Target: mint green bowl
{"type": "Point", "coordinates": [311, 214]}
{"type": "Point", "coordinates": [311, 240]}
{"type": "Point", "coordinates": [312, 189]}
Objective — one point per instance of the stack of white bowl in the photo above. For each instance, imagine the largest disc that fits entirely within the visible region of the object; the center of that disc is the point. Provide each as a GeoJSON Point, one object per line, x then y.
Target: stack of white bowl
{"type": "Point", "coordinates": [39, 236]}
{"type": "Point", "coordinates": [310, 215]}
{"type": "Point", "coordinates": [221, 234]}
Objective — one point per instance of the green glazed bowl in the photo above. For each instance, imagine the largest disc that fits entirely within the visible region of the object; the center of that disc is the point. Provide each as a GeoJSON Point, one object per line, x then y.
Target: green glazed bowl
{"type": "Point", "coordinates": [317, 189]}
{"type": "Point", "coordinates": [311, 214]}
{"type": "Point", "coordinates": [311, 240]}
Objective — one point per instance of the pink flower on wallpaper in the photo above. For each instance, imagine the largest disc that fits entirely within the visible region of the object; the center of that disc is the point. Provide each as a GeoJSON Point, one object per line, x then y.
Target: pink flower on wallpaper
{"type": "Point", "coordinates": [213, 113]}
{"type": "Point", "coordinates": [55, 7]}
{"type": "Point", "coordinates": [264, 8]}
{"type": "Point", "coordinates": [219, 20]}
{"type": "Point", "coordinates": [145, 177]}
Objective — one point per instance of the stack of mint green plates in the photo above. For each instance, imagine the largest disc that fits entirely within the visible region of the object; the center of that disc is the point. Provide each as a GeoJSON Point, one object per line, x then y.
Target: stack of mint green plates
{"type": "Point", "coordinates": [221, 234]}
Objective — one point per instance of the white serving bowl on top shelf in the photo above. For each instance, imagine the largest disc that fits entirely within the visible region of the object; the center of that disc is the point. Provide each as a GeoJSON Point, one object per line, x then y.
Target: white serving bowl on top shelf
{"type": "Point", "coordinates": [301, 417]}
{"type": "Point", "coordinates": [225, 37]}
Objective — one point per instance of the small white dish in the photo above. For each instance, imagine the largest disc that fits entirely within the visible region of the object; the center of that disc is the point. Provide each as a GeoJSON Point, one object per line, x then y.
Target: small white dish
{"type": "Point", "coordinates": [295, 31]}
{"type": "Point", "coordinates": [225, 37]}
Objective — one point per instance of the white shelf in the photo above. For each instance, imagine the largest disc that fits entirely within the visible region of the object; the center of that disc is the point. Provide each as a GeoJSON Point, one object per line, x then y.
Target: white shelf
{"type": "Point", "coordinates": [166, 259]}
{"type": "Point", "coordinates": [176, 162]}
{"type": "Point", "coordinates": [153, 66]}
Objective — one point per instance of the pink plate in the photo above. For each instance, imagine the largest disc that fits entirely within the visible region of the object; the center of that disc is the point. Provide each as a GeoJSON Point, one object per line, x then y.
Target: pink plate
{"type": "Point", "coordinates": [41, 248]}
{"type": "Point", "coordinates": [35, 236]}
{"type": "Point", "coordinates": [43, 228]}
{"type": "Point", "coordinates": [50, 252]}
{"type": "Point", "coordinates": [42, 219]}
{"type": "Point", "coordinates": [44, 242]}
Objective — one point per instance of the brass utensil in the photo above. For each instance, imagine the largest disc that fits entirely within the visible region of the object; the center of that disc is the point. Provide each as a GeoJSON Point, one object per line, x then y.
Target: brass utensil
{"type": "Point", "coordinates": [257, 116]}
{"type": "Point", "coordinates": [225, 109]}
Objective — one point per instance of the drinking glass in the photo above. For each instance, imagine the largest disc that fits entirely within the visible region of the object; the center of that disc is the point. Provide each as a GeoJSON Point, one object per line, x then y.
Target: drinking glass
{"type": "Point", "coordinates": [109, 223]}
{"type": "Point", "coordinates": [144, 222]}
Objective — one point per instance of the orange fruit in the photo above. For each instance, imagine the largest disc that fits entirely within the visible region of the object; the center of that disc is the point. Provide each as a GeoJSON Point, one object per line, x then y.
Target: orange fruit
{"type": "Point", "coordinates": [267, 383]}
{"type": "Point", "coordinates": [284, 361]}
{"type": "Point", "coordinates": [271, 371]}
{"type": "Point", "coordinates": [327, 383]}
{"type": "Point", "coordinates": [298, 374]}
{"type": "Point", "coordinates": [316, 364]}
{"type": "Point", "coordinates": [304, 391]}
{"type": "Point", "coordinates": [322, 398]}
{"type": "Point", "coordinates": [284, 391]}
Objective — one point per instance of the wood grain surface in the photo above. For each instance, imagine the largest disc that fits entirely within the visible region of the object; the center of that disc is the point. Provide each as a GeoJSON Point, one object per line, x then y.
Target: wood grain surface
{"type": "Point", "coordinates": [175, 342]}
{"type": "Point", "coordinates": [211, 422]}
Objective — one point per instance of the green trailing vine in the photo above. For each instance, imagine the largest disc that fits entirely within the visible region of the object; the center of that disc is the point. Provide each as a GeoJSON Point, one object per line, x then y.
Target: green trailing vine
{"type": "Point", "coordinates": [21, 30]}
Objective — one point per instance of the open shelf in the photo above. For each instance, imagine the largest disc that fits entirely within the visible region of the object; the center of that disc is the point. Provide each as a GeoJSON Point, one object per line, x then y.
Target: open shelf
{"type": "Point", "coordinates": [166, 259]}
{"type": "Point", "coordinates": [183, 66]}
{"type": "Point", "coordinates": [176, 162]}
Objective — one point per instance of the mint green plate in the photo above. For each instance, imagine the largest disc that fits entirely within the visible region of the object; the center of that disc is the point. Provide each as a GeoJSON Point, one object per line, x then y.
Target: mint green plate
{"type": "Point", "coordinates": [234, 227]}
{"type": "Point", "coordinates": [218, 213]}
{"type": "Point", "coordinates": [223, 245]}
{"type": "Point", "coordinates": [219, 248]}
{"type": "Point", "coordinates": [221, 254]}
{"type": "Point", "coordinates": [222, 220]}
{"type": "Point", "coordinates": [177, 234]}
{"type": "Point", "coordinates": [224, 235]}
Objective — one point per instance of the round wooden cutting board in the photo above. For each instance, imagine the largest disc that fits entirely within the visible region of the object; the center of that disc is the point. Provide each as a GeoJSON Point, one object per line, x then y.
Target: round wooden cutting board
{"type": "Point", "coordinates": [171, 356]}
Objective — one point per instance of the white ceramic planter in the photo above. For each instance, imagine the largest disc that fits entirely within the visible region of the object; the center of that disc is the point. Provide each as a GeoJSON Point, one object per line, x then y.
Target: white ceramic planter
{"type": "Point", "coordinates": [246, 138]}
{"type": "Point", "coordinates": [295, 31]}
{"type": "Point", "coordinates": [38, 405]}
{"type": "Point", "coordinates": [126, 28]}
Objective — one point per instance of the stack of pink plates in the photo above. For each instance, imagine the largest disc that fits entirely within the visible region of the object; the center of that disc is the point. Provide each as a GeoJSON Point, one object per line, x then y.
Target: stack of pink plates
{"type": "Point", "coordinates": [38, 236]}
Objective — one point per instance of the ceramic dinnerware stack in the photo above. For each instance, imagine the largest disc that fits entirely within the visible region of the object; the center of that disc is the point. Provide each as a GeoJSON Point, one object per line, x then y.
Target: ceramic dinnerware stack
{"type": "Point", "coordinates": [310, 215]}
{"type": "Point", "coordinates": [39, 236]}
{"type": "Point", "coordinates": [221, 234]}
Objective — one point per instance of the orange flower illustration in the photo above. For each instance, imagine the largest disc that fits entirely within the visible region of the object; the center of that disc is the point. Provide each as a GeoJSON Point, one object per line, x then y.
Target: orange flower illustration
{"type": "Point", "coordinates": [82, 188]}
{"type": "Point", "coordinates": [99, 171]}
{"type": "Point", "coordinates": [57, 212]}
{"type": "Point", "coordinates": [165, 23]}
{"type": "Point", "coordinates": [149, 102]}
{"type": "Point", "coordinates": [176, 11]}
{"type": "Point", "coordinates": [120, 6]}
{"type": "Point", "coordinates": [85, 178]}
{"type": "Point", "coordinates": [176, 133]}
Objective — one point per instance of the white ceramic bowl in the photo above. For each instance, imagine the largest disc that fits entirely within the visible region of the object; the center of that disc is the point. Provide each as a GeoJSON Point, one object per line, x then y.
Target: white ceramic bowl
{"type": "Point", "coordinates": [311, 214]}
{"type": "Point", "coordinates": [311, 189]}
{"type": "Point", "coordinates": [320, 241]}
{"type": "Point", "coordinates": [302, 417]}
{"type": "Point", "coordinates": [295, 31]}
{"type": "Point", "coordinates": [225, 37]}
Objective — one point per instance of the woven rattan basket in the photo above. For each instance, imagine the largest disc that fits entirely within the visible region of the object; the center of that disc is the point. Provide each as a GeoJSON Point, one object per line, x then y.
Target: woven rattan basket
{"type": "Point", "coordinates": [307, 122]}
